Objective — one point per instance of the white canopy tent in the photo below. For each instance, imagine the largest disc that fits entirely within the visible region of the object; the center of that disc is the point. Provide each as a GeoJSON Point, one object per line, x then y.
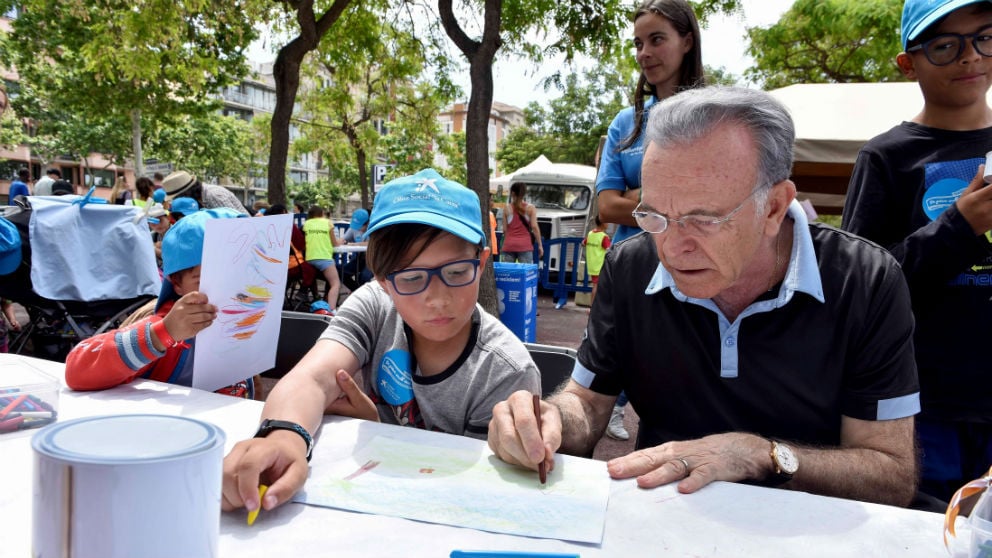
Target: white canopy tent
{"type": "Point", "coordinates": [833, 121]}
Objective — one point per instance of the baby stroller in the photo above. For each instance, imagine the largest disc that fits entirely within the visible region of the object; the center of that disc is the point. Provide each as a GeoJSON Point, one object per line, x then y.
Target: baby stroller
{"type": "Point", "coordinates": [85, 266]}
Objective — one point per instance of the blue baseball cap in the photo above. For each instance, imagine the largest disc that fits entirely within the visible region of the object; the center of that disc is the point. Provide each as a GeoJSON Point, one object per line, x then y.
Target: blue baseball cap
{"type": "Point", "coordinates": [182, 246]}
{"type": "Point", "coordinates": [428, 198]}
{"type": "Point", "coordinates": [359, 218]}
{"type": "Point", "coordinates": [10, 247]}
{"type": "Point", "coordinates": [918, 15]}
{"type": "Point", "coordinates": [184, 206]}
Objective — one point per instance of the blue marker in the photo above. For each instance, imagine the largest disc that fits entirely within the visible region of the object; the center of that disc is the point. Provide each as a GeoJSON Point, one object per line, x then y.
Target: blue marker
{"type": "Point", "coordinates": [508, 554]}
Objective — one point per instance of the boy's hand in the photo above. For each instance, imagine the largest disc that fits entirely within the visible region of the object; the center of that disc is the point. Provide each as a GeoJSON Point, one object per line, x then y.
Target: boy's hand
{"type": "Point", "coordinates": [278, 460]}
{"type": "Point", "coordinates": [975, 204]}
{"type": "Point", "coordinates": [353, 402]}
{"type": "Point", "coordinates": [190, 315]}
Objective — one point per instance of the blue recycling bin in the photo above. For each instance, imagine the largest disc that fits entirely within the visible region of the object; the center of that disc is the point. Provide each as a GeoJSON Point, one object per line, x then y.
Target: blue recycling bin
{"type": "Point", "coordinates": [516, 291]}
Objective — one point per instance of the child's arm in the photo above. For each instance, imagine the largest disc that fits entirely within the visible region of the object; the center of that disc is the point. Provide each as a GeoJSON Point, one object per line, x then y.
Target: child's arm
{"type": "Point", "coordinates": [99, 362]}
{"type": "Point", "coordinates": [8, 313]}
{"type": "Point", "coordinates": [302, 396]}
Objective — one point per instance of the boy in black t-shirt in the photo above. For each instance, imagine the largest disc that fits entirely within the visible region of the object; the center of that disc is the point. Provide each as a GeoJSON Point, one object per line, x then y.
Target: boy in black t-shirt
{"type": "Point", "coordinates": [915, 191]}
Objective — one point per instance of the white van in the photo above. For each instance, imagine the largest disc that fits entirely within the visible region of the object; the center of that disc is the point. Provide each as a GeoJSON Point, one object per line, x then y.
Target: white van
{"type": "Point", "coordinates": [562, 193]}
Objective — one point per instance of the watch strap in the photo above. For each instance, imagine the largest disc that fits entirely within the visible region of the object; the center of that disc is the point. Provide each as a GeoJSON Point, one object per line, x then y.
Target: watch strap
{"type": "Point", "coordinates": [269, 425]}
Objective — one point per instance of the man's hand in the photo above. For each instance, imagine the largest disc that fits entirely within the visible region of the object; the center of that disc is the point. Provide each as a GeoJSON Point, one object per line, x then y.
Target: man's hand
{"type": "Point", "coordinates": [975, 203]}
{"type": "Point", "coordinates": [353, 402]}
{"type": "Point", "coordinates": [278, 460]}
{"type": "Point", "coordinates": [513, 434]}
{"type": "Point", "coordinates": [725, 457]}
{"type": "Point", "coordinates": [190, 315]}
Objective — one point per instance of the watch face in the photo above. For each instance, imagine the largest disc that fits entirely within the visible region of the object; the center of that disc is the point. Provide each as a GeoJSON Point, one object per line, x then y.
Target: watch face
{"type": "Point", "coordinates": [786, 459]}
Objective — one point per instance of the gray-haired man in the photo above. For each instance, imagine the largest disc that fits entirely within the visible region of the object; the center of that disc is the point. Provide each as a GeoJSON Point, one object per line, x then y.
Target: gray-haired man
{"type": "Point", "coordinates": [754, 346]}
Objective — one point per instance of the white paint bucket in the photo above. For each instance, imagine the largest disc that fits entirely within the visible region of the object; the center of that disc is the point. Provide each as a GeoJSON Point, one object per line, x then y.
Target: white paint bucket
{"type": "Point", "coordinates": [127, 485]}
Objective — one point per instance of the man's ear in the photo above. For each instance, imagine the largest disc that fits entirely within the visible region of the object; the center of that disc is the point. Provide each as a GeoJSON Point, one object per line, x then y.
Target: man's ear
{"type": "Point", "coordinates": [779, 198]}
{"type": "Point", "coordinates": [906, 65]}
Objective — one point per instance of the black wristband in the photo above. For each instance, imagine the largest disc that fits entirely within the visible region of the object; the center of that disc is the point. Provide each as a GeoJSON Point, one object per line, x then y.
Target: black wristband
{"type": "Point", "coordinates": [268, 425]}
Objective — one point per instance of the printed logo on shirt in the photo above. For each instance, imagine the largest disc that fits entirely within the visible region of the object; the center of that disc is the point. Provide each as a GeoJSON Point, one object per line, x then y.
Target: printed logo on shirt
{"type": "Point", "coordinates": [945, 181]}
{"type": "Point", "coordinates": [394, 380]}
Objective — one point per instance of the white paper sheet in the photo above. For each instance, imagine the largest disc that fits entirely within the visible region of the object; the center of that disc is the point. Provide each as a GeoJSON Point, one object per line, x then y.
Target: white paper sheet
{"type": "Point", "coordinates": [466, 488]}
{"type": "Point", "coordinates": [244, 273]}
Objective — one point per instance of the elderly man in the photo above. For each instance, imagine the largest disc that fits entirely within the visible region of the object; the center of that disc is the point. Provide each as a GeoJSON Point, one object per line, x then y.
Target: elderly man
{"type": "Point", "coordinates": [761, 349]}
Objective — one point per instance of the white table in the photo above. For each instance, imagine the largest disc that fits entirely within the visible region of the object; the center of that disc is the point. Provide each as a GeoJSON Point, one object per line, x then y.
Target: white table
{"type": "Point", "coordinates": [723, 519]}
{"type": "Point", "coordinates": [351, 248]}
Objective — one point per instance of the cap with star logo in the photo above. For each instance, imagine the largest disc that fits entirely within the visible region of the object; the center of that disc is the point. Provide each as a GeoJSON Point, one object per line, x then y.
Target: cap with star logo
{"type": "Point", "coordinates": [427, 198]}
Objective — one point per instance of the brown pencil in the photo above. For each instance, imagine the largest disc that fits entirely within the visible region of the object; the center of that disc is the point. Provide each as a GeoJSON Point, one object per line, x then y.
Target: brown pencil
{"type": "Point", "coordinates": [542, 470]}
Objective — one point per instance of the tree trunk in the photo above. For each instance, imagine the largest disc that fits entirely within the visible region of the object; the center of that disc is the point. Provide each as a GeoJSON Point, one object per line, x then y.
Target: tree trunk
{"type": "Point", "coordinates": [286, 73]}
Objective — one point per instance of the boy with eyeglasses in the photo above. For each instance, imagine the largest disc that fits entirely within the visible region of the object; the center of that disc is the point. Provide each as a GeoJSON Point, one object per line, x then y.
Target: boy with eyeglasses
{"type": "Point", "coordinates": [915, 191]}
{"type": "Point", "coordinates": [430, 356]}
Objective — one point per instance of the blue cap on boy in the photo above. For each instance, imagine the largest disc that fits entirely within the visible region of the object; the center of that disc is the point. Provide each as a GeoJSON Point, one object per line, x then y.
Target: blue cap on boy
{"type": "Point", "coordinates": [182, 246]}
{"type": "Point", "coordinates": [918, 15]}
{"type": "Point", "coordinates": [428, 198]}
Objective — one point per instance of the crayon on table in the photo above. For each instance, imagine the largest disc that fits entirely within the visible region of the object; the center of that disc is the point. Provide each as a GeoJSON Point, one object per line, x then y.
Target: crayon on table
{"type": "Point", "coordinates": [253, 515]}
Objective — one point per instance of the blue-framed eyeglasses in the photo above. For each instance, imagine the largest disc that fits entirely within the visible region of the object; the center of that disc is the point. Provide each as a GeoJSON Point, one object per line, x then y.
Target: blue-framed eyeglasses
{"type": "Point", "coordinates": [415, 280]}
{"type": "Point", "coordinates": [947, 47]}
{"type": "Point", "coordinates": [697, 225]}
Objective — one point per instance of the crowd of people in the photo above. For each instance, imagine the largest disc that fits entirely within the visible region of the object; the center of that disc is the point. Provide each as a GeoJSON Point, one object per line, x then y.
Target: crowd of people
{"type": "Point", "coordinates": [754, 345]}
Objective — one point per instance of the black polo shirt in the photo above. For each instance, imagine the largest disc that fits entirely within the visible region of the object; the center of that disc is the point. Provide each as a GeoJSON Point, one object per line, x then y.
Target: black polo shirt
{"type": "Point", "coordinates": [789, 367]}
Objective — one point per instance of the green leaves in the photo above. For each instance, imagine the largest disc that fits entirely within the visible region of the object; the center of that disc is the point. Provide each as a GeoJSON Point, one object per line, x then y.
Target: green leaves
{"type": "Point", "coordinates": [821, 41]}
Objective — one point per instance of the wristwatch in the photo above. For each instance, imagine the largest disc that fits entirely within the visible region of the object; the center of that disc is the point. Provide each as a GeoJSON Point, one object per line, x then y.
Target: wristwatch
{"type": "Point", "coordinates": [784, 462]}
{"type": "Point", "coordinates": [268, 425]}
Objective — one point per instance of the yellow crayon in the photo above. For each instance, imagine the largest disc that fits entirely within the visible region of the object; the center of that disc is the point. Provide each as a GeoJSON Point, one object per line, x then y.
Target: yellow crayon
{"type": "Point", "coordinates": [252, 515]}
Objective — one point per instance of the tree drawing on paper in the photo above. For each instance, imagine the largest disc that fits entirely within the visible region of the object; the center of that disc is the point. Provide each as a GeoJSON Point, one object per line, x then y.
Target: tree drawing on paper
{"type": "Point", "coordinates": [466, 489]}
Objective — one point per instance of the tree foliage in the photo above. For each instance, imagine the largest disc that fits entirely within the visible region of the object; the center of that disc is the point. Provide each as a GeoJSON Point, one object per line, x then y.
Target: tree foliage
{"type": "Point", "coordinates": [828, 41]}
{"type": "Point", "coordinates": [370, 71]}
{"type": "Point", "coordinates": [122, 63]}
{"type": "Point", "coordinates": [211, 146]}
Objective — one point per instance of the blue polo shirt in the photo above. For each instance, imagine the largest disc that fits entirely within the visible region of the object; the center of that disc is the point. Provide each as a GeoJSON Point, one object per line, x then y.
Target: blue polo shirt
{"type": "Point", "coordinates": [835, 339]}
{"type": "Point", "coordinates": [621, 170]}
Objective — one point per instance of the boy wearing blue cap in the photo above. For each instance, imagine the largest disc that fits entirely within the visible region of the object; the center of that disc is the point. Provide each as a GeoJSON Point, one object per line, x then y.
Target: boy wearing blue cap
{"type": "Point", "coordinates": [915, 190]}
{"type": "Point", "coordinates": [159, 347]}
{"type": "Point", "coordinates": [430, 356]}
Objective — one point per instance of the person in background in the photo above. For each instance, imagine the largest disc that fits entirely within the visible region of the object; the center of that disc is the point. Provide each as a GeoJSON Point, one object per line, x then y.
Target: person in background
{"type": "Point", "coordinates": [260, 208]}
{"type": "Point", "coordinates": [181, 207]}
{"type": "Point", "coordinates": [19, 187]}
{"type": "Point", "coordinates": [321, 241]}
{"type": "Point", "coordinates": [181, 184]}
{"type": "Point", "coordinates": [8, 323]}
{"type": "Point", "coordinates": [429, 355]}
{"type": "Point", "coordinates": [157, 180]}
{"type": "Point", "coordinates": [520, 231]}
{"type": "Point", "coordinates": [356, 272]}
{"type": "Point", "coordinates": [917, 190]}
{"type": "Point", "coordinates": [120, 194]}
{"type": "Point", "coordinates": [596, 243]}
{"type": "Point", "coordinates": [144, 188]}
{"type": "Point", "coordinates": [669, 51]}
{"type": "Point", "coordinates": [160, 346]}
{"type": "Point", "coordinates": [62, 188]}
{"type": "Point", "coordinates": [755, 346]}
{"type": "Point", "coordinates": [43, 187]}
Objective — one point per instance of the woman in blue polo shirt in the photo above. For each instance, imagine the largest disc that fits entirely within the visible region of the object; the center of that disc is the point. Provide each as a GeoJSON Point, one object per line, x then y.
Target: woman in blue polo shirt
{"type": "Point", "coordinates": [667, 42]}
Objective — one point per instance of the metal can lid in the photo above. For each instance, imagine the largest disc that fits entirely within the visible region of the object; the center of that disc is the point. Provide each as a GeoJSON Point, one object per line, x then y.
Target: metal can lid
{"type": "Point", "coordinates": [122, 439]}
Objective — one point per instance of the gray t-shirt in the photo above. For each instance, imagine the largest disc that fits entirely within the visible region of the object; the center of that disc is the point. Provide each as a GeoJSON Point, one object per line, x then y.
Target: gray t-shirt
{"type": "Point", "coordinates": [459, 400]}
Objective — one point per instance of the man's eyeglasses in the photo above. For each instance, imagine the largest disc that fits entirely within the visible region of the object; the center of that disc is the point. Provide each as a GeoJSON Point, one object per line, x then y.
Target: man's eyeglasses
{"type": "Point", "coordinates": [947, 47]}
{"type": "Point", "coordinates": [415, 280]}
{"type": "Point", "coordinates": [697, 225]}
